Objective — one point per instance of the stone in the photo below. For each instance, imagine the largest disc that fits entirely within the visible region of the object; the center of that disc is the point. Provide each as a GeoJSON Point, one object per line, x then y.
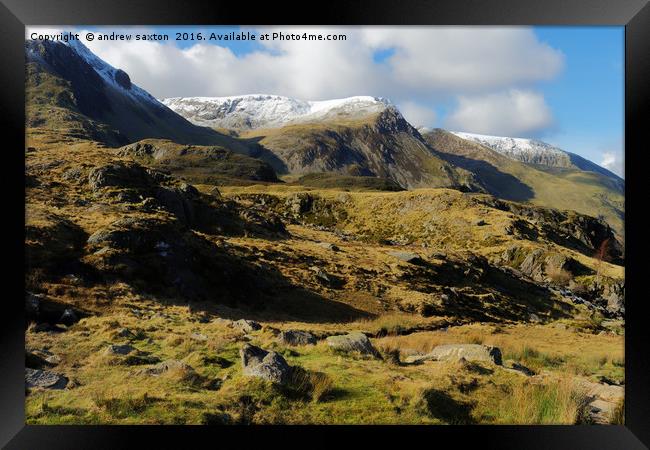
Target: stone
{"type": "Point", "coordinates": [352, 342]}
{"type": "Point", "coordinates": [198, 337]}
{"type": "Point", "coordinates": [328, 246]}
{"type": "Point", "coordinates": [454, 352]}
{"type": "Point", "coordinates": [406, 256]}
{"type": "Point", "coordinates": [35, 378]}
{"type": "Point", "coordinates": [69, 317]}
{"type": "Point", "coordinates": [119, 349]}
{"type": "Point", "coordinates": [293, 337]}
{"type": "Point", "coordinates": [166, 366]}
{"type": "Point", "coordinates": [270, 366]}
{"type": "Point", "coordinates": [603, 399]}
{"type": "Point", "coordinates": [247, 326]}
{"type": "Point", "coordinates": [125, 333]}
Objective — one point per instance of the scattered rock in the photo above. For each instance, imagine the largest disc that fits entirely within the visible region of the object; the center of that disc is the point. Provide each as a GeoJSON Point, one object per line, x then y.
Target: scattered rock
{"type": "Point", "coordinates": [604, 399]}
{"type": "Point", "coordinates": [259, 363]}
{"type": "Point", "coordinates": [69, 317]}
{"type": "Point", "coordinates": [125, 333]}
{"type": "Point", "coordinates": [35, 378]}
{"type": "Point", "coordinates": [198, 337]}
{"type": "Point", "coordinates": [247, 326]}
{"type": "Point", "coordinates": [519, 368]}
{"type": "Point", "coordinates": [454, 352]}
{"type": "Point", "coordinates": [166, 366]}
{"type": "Point", "coordinates": [119, 349]}
{"type": "Point", "coordinates": [353, 342]}
{"type": "Point", "coordinates": [408, 257]}
{"type": "Point", "coordinates": [534, 318]}
{"type": "Point", "coordinates": [293, 337]}
{"type": "Point", "coordinates": [328, 246]}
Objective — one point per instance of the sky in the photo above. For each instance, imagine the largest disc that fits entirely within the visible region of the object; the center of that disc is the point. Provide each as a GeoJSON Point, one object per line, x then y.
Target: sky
{"type": "Point", "coordinates": [562, 85]}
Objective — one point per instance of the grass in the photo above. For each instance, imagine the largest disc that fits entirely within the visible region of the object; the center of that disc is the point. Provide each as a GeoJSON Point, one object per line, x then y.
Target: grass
{"type": "Point", "coordinates": [555, 403]}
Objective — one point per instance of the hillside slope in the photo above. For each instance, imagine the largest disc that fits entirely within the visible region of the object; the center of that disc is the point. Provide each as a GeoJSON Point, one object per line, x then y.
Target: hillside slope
{"type": "Point", "coordinates": [572, 189]}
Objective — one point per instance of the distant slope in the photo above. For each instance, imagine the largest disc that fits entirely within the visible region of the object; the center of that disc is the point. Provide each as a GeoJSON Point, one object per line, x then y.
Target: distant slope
{"type": "Point", "coordinates": [567, 188]}
{"type": "Point", "coordinates": [199, 164]}
{"type": "Point", "coordinates": [532, 151]}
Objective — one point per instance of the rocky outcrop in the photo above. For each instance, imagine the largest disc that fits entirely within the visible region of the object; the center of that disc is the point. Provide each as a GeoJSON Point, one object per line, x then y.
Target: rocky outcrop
{"type": "Point", "coordinates": [36, 378]}
{"type": "Point", "coordinates": [456, 352]}
{"type": "Point", "coordinates": [353, 342]}
{"type": "Point", "coordinates": [247, 326]}
{"type": "Point", "coordinates": [260, 363]}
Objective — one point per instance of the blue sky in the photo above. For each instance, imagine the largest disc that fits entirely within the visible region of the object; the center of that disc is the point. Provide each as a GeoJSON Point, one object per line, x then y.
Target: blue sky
{"type": "Point", "coordinates": [563, 85]}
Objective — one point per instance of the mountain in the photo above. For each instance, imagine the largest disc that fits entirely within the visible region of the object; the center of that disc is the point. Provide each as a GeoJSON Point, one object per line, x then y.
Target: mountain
{"type": "Point", "coordinates": [537, 152]}
{"type": "Point", "coordinates": [570, 188]}
{"type": "Point", "coordinates": [269, 111]}
{"type": "Point", "coordinates": [360, 136]}
{"type": "Point", "coordinates": [72, 92]}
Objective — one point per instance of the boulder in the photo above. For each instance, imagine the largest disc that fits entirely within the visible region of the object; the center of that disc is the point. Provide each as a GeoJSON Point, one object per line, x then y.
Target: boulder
{"type": "Point", "coordinates": [69, 317]}
{"type": "Point", "coordinates": [119, 349]}
{"type": "Point", "coordinates": [166, 366]}
{"type": "Point", "coordinates": [293, 337]}
{"type": "Point", "coordinates": [35, 378]}
{"type": "Point", "coordinates": [352, 342]}
{"type": "Point", "coordinates": [328, 246]}
{"type": "Point", "coordinates": [406, 256]}
{"type": "Point", "coordinates": [270, 366]}
{"type": "Point", "coordinates": [247, 326]}
{"type": "Point", "coordinates": [469, 352]}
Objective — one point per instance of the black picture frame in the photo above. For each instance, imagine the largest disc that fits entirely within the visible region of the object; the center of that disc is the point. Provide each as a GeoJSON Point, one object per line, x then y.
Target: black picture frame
{"type": "Point", "coordinates": [633, 14]}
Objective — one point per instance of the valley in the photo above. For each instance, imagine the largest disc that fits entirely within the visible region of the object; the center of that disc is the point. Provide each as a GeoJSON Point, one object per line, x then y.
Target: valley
{"type": "Point", "coordinates": [341, 267]}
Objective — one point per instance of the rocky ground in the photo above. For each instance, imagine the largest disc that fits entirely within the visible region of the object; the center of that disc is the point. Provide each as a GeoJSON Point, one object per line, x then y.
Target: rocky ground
{"type": "Point", "coordinates": [154, 300]}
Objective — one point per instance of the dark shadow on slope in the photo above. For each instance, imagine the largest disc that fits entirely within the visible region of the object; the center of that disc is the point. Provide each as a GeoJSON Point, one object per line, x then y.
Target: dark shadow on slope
{"type": "Point", "coordinates": [497, 183]}
{"type": "Point", "coordinates": [442, 406]}
{"type": "Point", "coordinates": [479, 291]}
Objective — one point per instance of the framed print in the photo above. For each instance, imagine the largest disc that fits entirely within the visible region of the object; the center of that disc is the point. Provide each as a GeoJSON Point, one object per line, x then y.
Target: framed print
{"type": "Point", "coordinates": [405, 219]}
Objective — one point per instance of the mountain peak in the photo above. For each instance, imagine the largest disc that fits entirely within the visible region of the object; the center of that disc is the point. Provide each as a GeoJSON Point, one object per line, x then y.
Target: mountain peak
{"type": "Point", "coordinates": [270, 111]}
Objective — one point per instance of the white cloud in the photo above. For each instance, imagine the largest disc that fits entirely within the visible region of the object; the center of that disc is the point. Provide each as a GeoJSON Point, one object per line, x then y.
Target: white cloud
{"type": "Point", "coordinates": [613, 161]}
{"type": "Point", "coordinates": [425, 62]}
{"type": "Point", "coordinates": [467, 59]}
{"type": "Point", "coordinates": [472, 66]}
{"type": "Point", "coordinates": [418, 115]}
{"type": "Point", "coordinates": [514, 112]}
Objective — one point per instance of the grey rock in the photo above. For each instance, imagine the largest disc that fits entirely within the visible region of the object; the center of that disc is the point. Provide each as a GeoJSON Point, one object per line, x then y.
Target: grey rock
{"type": "Point", "coordinates": [125, 333]}
{"type": "Point", "coordinates": [166, 366]}
{"type": "Point", "coordinates": [405, 256]}
{"type": "Point", "coordinates": [270, 366]}
{"type": "Point", "coordinates": [454, 352]}
{"type": "Point", "coordinates": [247, 326]}
{"type": "Point", "coordinates": [69, 317]}
{"type": "Point", "coordinates": [328, 246]}
{"type": "Point", "coordinates": [35, 378]}
{"type": "Point", "coordinates": [293, 337]}
{"type": "Point", "coordinates": [119, 349]}
{"type": "Point", "coordinates": [198, 337]}
{"type": "Point", "coordinates": [353, 342]}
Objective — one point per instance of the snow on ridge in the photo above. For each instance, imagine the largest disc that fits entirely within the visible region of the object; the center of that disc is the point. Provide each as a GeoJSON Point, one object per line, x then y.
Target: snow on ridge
{"type": "Point", "coordinates": [511, 145]}
{"type": "Point", "coordinates": [267, 110]}
{"type": "Point", "coordinates": [105, 70]}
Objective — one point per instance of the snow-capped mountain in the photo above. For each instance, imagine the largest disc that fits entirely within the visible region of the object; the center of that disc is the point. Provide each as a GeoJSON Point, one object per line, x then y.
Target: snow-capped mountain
{"type": "Point", "coordinates": [526, 150]}
{"type": "Point", "coordinates": [270, 111]}
{"type": "Point", "coordinates": [99, 101]}
{"type": "Point", "coordinates": [532, 151]}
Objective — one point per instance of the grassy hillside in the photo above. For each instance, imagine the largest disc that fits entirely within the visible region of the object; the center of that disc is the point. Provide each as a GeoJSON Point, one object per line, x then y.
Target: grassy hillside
{"type": "Point", "coordinates": [586, 192]}
{"type": "Point", "coordinates": [199, 164]}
